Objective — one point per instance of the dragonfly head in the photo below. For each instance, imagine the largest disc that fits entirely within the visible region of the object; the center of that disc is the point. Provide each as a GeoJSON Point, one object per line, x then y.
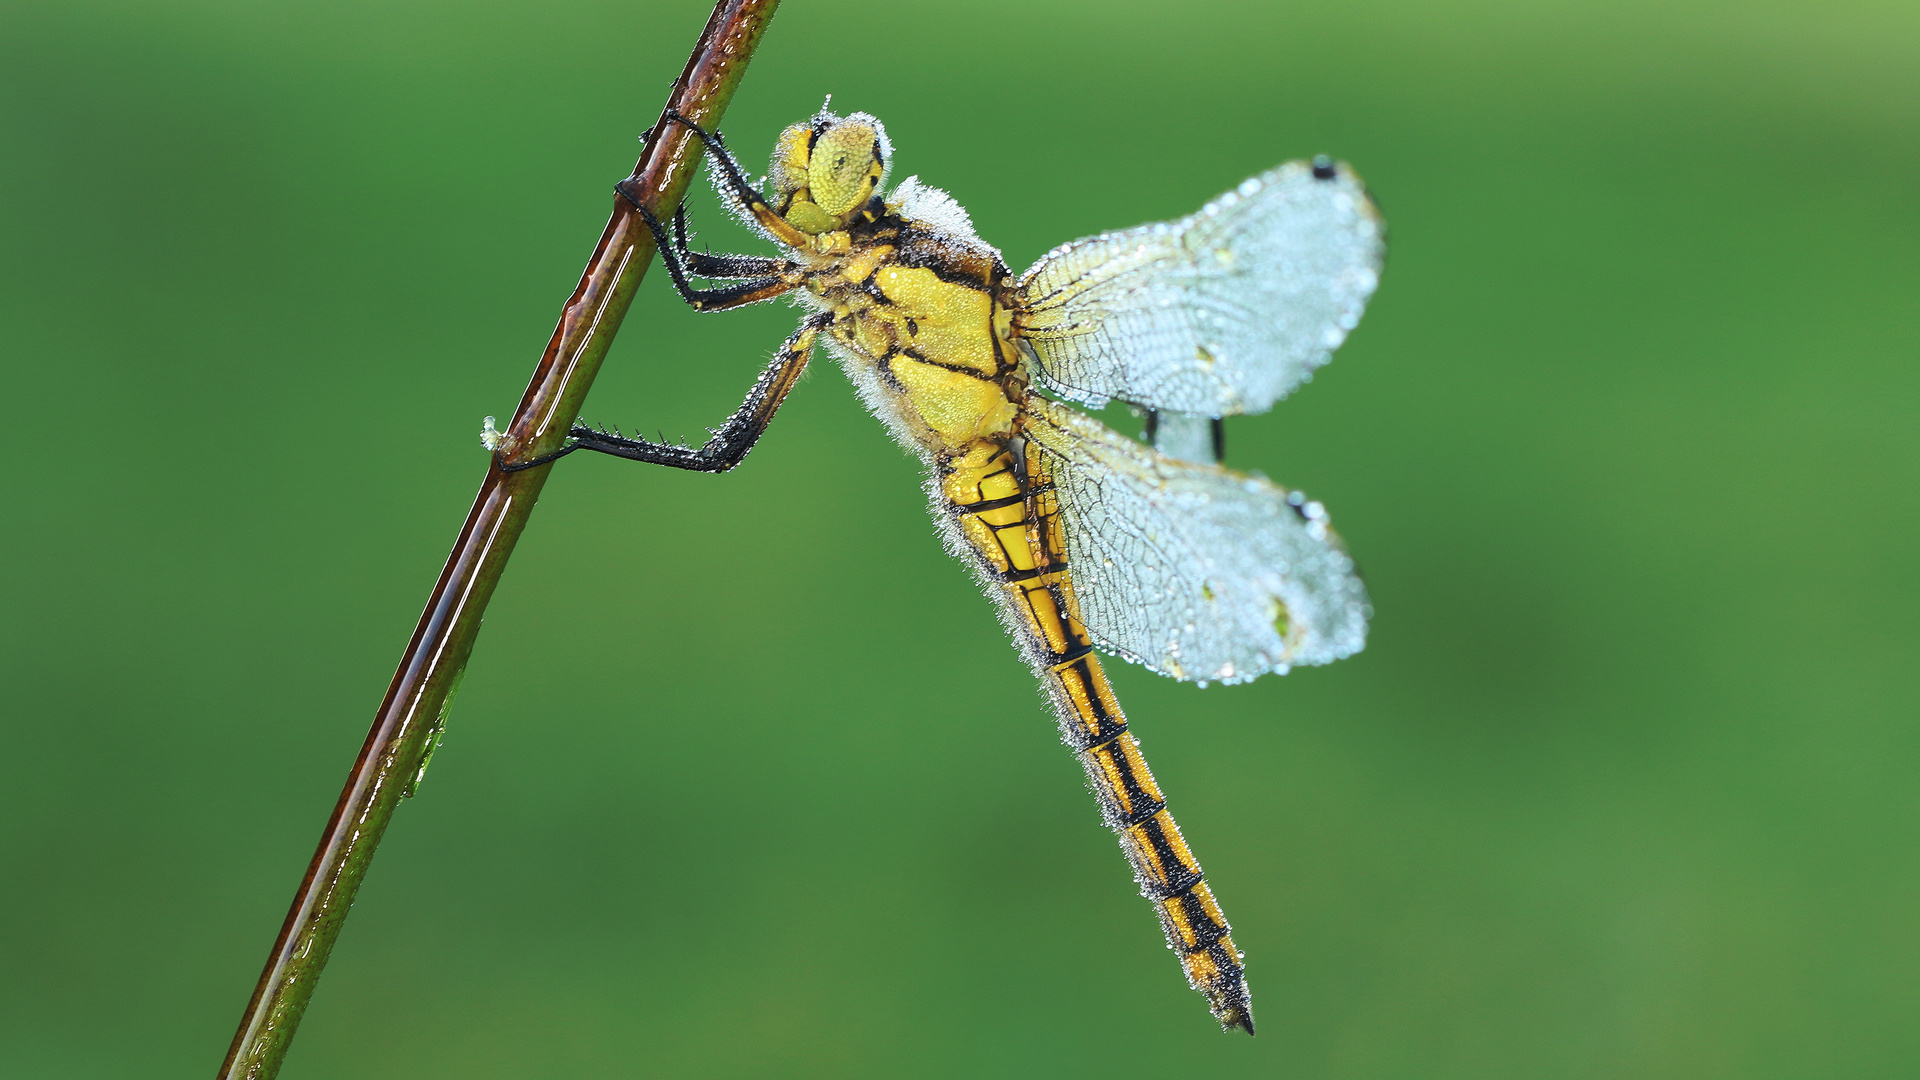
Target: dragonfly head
{"type": "Point", "coordinates": [825, 173]}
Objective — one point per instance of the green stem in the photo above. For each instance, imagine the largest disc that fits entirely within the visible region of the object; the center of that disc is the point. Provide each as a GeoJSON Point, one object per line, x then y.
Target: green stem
{"type": "Point", "coordinates": [415, 707]}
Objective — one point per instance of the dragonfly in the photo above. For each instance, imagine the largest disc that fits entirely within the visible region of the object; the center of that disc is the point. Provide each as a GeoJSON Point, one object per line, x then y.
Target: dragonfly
{"type": "Point", "coordinates": [1086, 540]}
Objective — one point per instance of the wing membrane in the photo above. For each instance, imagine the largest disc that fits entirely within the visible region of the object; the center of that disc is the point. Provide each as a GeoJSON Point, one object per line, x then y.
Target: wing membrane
{"type": "Point", "coordinates": [1221, 312]}
{"type": "Point", "coordinates": [1195, 571]}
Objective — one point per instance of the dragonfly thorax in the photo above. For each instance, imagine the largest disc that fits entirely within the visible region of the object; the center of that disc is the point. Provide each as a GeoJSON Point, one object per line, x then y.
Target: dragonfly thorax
{"type": "Point", "coordinates": [916, 316]}
{"type": "Point", "coordinates": [916, 320]}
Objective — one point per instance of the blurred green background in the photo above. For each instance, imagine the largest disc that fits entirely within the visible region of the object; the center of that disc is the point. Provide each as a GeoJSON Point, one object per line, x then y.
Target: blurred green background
{"type": "Point", "coordinates": [1625, 784]}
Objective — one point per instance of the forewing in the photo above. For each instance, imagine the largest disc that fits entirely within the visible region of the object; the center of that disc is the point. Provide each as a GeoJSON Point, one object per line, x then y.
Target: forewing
{"type": "Point", "coordinates": [1195, 571]}
{"type": "Point", "coordinates": [1219, 313]}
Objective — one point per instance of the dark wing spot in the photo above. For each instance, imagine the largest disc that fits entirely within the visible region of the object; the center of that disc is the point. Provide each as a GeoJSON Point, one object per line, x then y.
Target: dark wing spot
{"type": "Point", "coordinates": [1323, 168]}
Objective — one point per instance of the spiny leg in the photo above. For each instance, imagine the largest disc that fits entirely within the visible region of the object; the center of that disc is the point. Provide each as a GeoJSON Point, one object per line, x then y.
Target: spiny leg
{"type": "Point", "coordinates": [731, 441]}
{"type": "Point", "coordinates": [781, 276]}
{"type": "Point", "coordinates": [751, 291]}
{"type": "Point", "coordinates": [719, 267]}
{"type": "Point", "coordinates": [692, 263]}
{"type": "Point", "coordinates": [743, 189]}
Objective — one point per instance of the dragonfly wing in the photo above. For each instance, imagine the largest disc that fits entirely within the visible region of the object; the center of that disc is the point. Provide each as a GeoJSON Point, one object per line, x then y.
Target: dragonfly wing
{"type": "Point", "coordinates": [1219, 313]}
{"type": "Point", "coordinates": [1195, 571]}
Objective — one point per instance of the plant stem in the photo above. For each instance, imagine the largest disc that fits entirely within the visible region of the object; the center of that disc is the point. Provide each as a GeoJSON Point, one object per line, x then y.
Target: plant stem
{"type": "Point", "coordinates": [410, 718]}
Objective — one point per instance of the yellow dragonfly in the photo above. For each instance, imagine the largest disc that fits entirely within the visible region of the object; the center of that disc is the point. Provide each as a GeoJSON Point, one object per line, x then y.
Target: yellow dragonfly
{"type": "Point", "coordinates": [1083, 538]}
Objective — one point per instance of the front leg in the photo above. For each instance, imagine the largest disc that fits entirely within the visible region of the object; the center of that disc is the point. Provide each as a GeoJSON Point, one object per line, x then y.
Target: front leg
{"type": "Point", "coordinates": [730, 442]}
{"type": "Point", "coordinates": [743, 190]}
{"type": "Point", "coordinates": [781, 276]}
{"type": "Point", "coordinates": [719, 267]}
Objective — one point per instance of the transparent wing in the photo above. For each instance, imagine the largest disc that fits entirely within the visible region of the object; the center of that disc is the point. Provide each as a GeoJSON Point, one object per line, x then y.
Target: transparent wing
{"type": "Point", "coordinates": [1222, 312]}
{"type": "Point", "coordinates": [1195, 571]}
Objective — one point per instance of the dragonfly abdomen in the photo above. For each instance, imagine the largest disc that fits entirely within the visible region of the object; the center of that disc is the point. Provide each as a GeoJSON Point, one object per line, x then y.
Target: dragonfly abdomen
{"type": "Point", "coordinates": [1001, 498]}
{"type": "Point", "coordinates": [1163, 864]}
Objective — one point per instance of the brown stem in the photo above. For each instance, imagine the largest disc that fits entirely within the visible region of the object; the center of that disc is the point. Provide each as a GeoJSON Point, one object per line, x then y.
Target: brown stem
{"type": "Point", "coordinates": [410, 718]}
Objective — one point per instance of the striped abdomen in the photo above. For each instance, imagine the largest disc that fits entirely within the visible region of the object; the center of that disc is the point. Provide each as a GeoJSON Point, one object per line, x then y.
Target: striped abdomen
{"type": "Point", "coordinates": [1006, 510]}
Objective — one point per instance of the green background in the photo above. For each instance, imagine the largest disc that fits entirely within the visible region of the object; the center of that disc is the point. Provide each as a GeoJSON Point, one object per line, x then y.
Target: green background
{"type": "Point", "coordinates": [744, 780]}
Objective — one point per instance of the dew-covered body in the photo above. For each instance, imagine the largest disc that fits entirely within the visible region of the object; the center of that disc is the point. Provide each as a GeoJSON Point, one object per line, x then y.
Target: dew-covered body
{"type": "Point", "coordinates": [922, 324]}
{"type": "Point", "coordinates": [1083, 538]}
{"type": "Point", "coordinates": [919, 322]}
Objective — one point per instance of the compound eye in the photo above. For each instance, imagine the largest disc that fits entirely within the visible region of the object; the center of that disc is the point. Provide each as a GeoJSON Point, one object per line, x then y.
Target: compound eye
{"type": "Point", "coordinates": [844, 165]}
{"type": "Point", "coordinates": [788, 171]}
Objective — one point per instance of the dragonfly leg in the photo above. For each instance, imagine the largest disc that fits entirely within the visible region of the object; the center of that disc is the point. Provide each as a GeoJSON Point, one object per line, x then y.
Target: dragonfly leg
{"type": "Point", "coordinates": [730, 441]}
{"type": "Point", "coordinates": [743, 189]}
{"type": "Point", "coordinates": [718, 267]}
{"type": "Point", "coordinates": [779, 276]}
{"type": "Point", "coordinates": [751, 291]}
